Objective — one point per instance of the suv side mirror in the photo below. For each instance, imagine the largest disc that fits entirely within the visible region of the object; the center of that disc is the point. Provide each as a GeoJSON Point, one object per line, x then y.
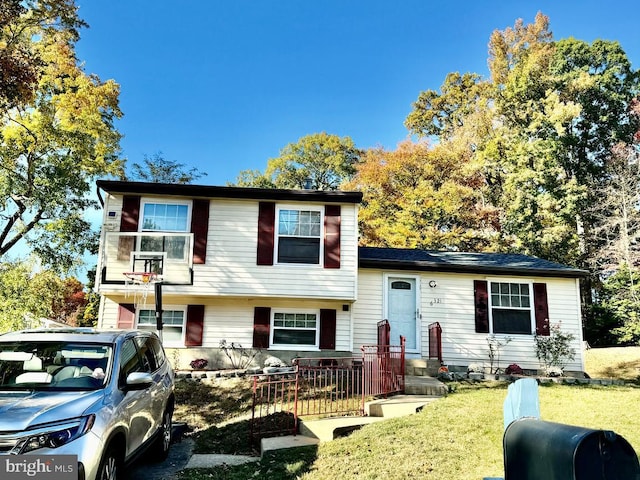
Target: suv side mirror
{"type": "Point", "coordinates": [138, 381]}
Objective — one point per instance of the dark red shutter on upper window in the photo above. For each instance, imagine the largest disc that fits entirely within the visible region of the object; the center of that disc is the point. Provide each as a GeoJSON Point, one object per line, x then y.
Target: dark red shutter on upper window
{"type": "Point", "coordinates": [200, 230]}
{"type": "Point", "coordinates": [194, 326]}
{"type": "Point", "coordinates": [266, 232]}
{"type": "Point", "coordinates": [332, 236]}
{"type": "Point", "coordinates": [481, 298]}
{"type": "Point", "coordinates": [261, 322]}
{"type": "Point", "coordinates": [126, 315]}
{"type": "Point", "coordinates": [130, 213]}
{"type": "Point", "coordinates": [327, 329]}
{"type": "Point", "coordinates": [541, 308]}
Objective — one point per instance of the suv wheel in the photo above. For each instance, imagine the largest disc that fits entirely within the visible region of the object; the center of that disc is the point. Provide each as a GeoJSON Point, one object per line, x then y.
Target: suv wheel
{"type": "Point", "coordinates": [109, 465]}
{"type": "Point", "coordinates": [163, 441]}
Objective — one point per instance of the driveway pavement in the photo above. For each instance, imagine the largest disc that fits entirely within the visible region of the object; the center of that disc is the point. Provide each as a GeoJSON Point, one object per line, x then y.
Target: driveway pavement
{"type": "Point", "coordinates": [179, 456]}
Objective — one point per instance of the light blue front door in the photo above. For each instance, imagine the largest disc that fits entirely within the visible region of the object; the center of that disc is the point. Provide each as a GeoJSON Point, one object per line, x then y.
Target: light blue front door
{"type": "Point", "coordinates": [402, 311]}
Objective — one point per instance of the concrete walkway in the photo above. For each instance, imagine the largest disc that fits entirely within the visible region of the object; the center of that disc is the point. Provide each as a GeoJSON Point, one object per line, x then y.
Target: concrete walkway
{"type": "Point", "coordinates": [424, 391]}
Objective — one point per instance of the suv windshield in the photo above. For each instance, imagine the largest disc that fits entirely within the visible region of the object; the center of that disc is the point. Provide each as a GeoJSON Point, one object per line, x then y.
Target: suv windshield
{"type": "Point", "coordinates": [53, 365]}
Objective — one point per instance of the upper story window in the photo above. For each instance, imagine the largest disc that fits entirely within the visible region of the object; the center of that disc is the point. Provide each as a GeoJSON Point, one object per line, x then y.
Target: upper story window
{"type": "Point", "coordinates": [164, 217]}
{"type": "Point", "coordinates": [511, 308]}
{"type": "Point", "coordinates": [298, 236]}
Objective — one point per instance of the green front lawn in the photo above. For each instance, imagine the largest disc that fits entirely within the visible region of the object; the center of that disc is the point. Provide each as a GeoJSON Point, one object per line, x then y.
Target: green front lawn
{"type": "Point", "coordinates": [456, 438]}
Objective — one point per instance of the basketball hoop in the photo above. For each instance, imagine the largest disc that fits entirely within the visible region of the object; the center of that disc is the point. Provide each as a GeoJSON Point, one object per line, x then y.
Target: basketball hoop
{"type": "Point", "coordinates": [140, 283]}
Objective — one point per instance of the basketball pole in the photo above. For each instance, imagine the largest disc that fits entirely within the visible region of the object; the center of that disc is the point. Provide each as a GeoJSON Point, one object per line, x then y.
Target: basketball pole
{"type": "Point", "coordinates": [158, 295]}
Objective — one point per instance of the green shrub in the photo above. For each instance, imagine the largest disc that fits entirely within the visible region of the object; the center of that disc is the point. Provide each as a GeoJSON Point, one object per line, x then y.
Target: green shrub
{"type": "Point", "coordinates": [555, 350]}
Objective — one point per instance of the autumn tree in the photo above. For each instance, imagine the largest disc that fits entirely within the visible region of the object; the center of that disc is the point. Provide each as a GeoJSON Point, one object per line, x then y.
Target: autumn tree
{"type": "Point", "coordinates": [319, 161]}
{"type": "Point", "coordinates": [158, 169]}
{"type": "Point", "coordinates": [543, 130]}
{"type": "Point", "coordinates": [20, 61]}
{"type": "Point", "coordinates": [422, 197]}
{"type": "Point", "coordinates": [253, 179]}
{"type": "Point", "coordinates": [56, 136]}
{"type": "Point", "coordinates": [616, 228]}
{"type": "Point", "coordinates": [27, 294]}
{"type": "Point", "coordinates": [550, 113]}
{"type": "Point", "coordinates": [443, 114]}
{"type": "Point", "coordinates": [69, 305]}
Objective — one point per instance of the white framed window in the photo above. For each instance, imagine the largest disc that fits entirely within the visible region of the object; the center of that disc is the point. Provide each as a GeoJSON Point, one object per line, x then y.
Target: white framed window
{"type": "Point", "coordinates": [299, 235]}
{"type": "Point", "coordinates": [299, 329]}
{"type": "Point", "coordinates": [164, 216]}
{"type": "Point", "coordinates": [511, 308]}
{"type": "Point", "coordinates": [173, 324]}
{"type": "Point", "coordinates": [170, 217]}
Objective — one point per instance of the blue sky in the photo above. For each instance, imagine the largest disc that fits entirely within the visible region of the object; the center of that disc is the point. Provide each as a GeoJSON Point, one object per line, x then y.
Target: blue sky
{"type": "Point", "coordinates": [224, 85]}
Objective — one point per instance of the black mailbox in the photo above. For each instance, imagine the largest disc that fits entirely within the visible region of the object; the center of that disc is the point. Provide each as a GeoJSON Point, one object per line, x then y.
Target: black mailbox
{"type": "Point", "coordinates": [539, 450]}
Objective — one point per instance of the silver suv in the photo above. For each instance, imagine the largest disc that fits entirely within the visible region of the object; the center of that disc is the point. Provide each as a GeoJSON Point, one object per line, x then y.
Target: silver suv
{"type": "Point", "coordinates": [104, 396]}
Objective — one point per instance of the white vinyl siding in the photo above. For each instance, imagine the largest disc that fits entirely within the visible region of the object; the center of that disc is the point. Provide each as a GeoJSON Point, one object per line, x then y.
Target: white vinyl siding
{"type": "Point", "coordinates": [451, 303]}
{"type": "Point", "coordinates": [232, 319]}
{"type": "Point", "coordinates": [231, 269]}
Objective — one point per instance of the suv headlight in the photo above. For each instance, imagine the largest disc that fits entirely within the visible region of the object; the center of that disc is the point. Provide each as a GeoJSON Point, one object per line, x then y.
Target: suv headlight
{"type": "Point", "coordinates": [55, 435]}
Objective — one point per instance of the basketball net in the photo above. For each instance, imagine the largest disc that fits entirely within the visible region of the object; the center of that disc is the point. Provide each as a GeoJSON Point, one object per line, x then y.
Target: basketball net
{"type": "Point", "coordinates": [139, 284]}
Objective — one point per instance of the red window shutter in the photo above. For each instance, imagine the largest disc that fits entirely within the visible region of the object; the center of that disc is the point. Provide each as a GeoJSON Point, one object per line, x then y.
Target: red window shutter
{"type": "Point", "coordinates": [327, 329]}
{"type": "Point", "coordinates": [200, 230]}
{"type": "Point", "coordinates": [130, 213]}
{"type": "Point", "coordinates": [266, 232]}
{"type": "Point", "coordinates": [541, 308]}
{"type": "Point", "coordinates": [126, 315]}
{"type": "Point", "coordinates": [261, 323]}
{"type": "Point", "coordinates": [195, 326]}
{"type": "Point", "coordinates": [481, 297]}
{"type": "Point", "coordinates": [332, 236]}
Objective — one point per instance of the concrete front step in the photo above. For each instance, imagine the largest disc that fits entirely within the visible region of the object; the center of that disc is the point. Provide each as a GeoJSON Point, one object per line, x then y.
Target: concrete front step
{"type": "Point", "coordinates": [421, 367]}
{"type": "Point", "coordinates": [272, 444]}
{"type": "Point", "coordinates": [327, 429]}
{"type": "Point", "coordinates": [397, 406]}
{"type": "Point", "coordinates": [421, 385]}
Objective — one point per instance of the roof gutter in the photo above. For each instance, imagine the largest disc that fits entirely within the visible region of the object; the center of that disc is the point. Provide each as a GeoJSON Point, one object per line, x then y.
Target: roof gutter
{"type": "Point", "coordinates": [206, 191]}
{"type": "Point", "coordinates": [451, 268]}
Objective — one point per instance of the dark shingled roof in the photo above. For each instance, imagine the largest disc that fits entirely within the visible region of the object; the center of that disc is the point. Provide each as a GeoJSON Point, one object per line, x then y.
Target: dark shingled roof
{"type": "Point", "coordinates": [464, 262]}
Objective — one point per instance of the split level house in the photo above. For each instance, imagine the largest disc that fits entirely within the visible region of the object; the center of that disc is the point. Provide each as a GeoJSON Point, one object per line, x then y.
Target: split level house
{"type": "Point", "coordinates": [281, 272]}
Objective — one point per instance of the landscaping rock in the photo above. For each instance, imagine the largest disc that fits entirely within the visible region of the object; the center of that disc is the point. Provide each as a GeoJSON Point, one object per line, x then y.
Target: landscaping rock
{"type": "Point", "coordinates": [274, 362]}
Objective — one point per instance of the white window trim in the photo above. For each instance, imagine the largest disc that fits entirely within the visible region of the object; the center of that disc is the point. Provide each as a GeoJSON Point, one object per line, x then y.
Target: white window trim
{"type": "Point", "coordinates": [165, 308]}
{"type": "Point", "coordinates": [532, 318]}
{"type": "Point", "coordinates": [297, 347]}
{"type": "Point", "coordinates": [299, 208]}
{"type": "Point", "coordinates": [157, 201]}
